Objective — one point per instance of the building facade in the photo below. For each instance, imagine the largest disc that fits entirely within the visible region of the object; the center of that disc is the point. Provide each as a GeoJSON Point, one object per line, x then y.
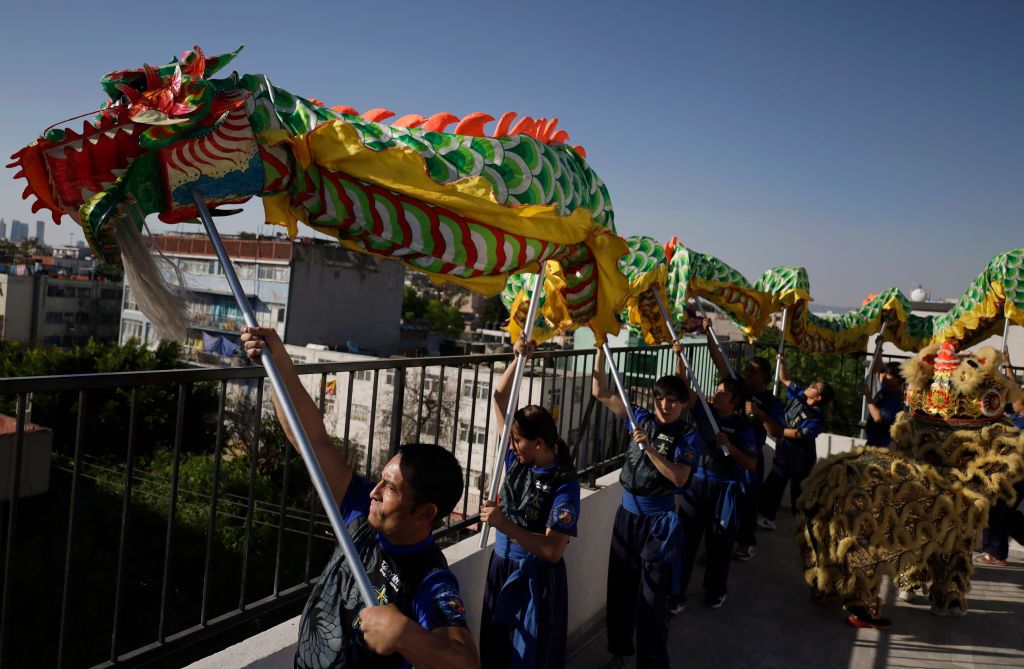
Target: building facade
{"type": "Point", "coordinates": [310, 292]}
{"type": "Point", "coordinates": [58, 311]}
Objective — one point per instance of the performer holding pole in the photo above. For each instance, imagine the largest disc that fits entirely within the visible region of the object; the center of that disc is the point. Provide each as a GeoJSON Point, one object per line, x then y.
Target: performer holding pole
{"type": "Point", "coordinates": [868, 389]}
{"type": "Point", "coordinates": [525, 608]}
{"type": "Point", "coordinates": [498, 466]}
{"type": "Point", "coordinates": [414, 617]}
{"type": "Point", "coordinates": [644, 558]}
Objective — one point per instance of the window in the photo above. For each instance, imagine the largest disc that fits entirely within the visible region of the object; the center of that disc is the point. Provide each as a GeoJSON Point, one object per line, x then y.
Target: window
{"type": "Point", "coordinates": [54, 317]}
{"type": "Point", "coordinates": [479, 433]}
{"type": "Point", "coordinates": [364, 375]}
{"type": "Point", "coordinates": [483, 390]}
{"type": "Point", "coordinates": [273, 273]}
{"type": "Point", "coordinates": [129, 301]}
{"type": "Point", "coordinates": [389, 377]}
{"type": "Point", "coordinates": [131, 330]}
{"type": "Point", "coordinates": [110, 293]}
{"type": "Point", "coordinates": [556, 396]}
{"type": "Point", "coordinates": [361, 412]}
{"type": "Point", "coordinates": [84, 292]}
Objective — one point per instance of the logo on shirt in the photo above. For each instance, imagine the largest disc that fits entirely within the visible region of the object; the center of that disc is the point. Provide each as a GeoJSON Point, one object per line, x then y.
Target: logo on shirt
{"type": "Point", "coordinates": [565, 515]}
{"type": "Point", "coordinates": [451, 605]}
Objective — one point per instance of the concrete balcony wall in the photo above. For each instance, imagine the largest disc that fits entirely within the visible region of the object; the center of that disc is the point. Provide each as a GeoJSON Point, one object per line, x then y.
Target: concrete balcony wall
{"type": "Point", "coordinates": [586, 564]}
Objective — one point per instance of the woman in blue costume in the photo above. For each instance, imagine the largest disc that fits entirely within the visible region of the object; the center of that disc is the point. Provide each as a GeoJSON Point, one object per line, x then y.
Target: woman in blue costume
{"type": "Point", "coordinates": [525, 613]}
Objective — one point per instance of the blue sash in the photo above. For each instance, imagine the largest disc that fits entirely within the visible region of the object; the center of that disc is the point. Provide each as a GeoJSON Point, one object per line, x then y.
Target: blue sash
{"type": "Point", "coordinates": [516, 604]}
{"type": "Point", "coordinates": [666, 528]}
{"type": "Point", "coordinates": [725, 508]}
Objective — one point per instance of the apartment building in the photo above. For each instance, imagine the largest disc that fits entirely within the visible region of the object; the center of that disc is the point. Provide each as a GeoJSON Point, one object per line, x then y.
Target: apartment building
{"type": "Point", "coordinates": [309, 291]}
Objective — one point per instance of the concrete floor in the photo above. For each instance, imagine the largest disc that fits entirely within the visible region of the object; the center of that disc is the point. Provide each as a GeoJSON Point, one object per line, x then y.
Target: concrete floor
{"type": "Point", "coordinates": [769, 622]}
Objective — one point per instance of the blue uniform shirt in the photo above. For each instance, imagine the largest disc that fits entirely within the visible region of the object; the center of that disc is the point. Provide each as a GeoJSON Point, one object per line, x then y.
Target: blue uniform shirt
{"type": "Point", "coordinates": [415, 578]}
{"type": "Point", "coordinates": [889, 403]}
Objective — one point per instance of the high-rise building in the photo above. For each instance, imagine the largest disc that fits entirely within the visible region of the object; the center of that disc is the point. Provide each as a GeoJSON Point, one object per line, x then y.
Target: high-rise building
{"type": "Point", "coordinates": [40, 230]}
{"type": "Point", "coordinates": [19, 231]}
{"type": "Point", "coordinates": [3, 229]}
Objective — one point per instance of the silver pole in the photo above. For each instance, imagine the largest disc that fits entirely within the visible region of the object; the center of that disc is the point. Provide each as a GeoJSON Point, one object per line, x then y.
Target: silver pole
{"type": "Point", "coordinates": [620, 388]}
{"type": "Point", "coordinates": [689, 368]}
{"type": "Point", "coordinates": [711, 330]}
{"type": "Point", "coordinates": [1007, 367]}
{"type": "Point", "coordinates": [782, 345]}
{"type": "Point", "coordinates": [302, 441]}
{"type": "Point", "coordinates": [513, 401]}
{"type": "Point", "coordinates": [869, 379]}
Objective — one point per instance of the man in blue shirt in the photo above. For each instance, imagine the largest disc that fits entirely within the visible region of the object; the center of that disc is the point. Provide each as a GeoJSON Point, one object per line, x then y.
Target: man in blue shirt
{"type": "Point", "coordinates": [795, 451]}
{"type": "Point", "coordinates": [420, 619]}
{"type": "Point", "coordinates": [883, 405]}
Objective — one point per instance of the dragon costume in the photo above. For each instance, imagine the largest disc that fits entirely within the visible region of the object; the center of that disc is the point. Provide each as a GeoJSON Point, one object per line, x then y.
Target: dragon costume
{"type": "Point", "coordinates": [914, 510]}
{"type": "Point", "coordinates": [462, 207]}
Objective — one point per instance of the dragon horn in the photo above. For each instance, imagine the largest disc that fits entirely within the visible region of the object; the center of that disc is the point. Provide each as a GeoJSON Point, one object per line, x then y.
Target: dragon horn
{"type": "Point", "coordinates": [472, 124]}
{"type": "Point", "coordinates": [501, 130]}
{"type": "Point", "coordinates": [439, 121]}
{"type": "Point", "coordinates": [153, 80]}
{"type": "Point", "coordinates": [377, 114]}
{"type": "Point", "coordinates": [410, 121]}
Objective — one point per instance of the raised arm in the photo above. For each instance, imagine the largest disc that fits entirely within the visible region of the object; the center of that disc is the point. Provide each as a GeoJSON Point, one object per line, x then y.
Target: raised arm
{"type": "Point", "coordinates": [503, 389]}
{"type": "Point", "coordinates": [600, 390]}
{"type": "Point", "coordinates": [261, 341]}
{"type": "Point", "coordinates": [716, 353]}
{"type": "Point", "coordinates": [783, 371]}
{"type": "Point", "coordinates": [676, 472]}
{"type": "Point", "coordinates": [691, 396]}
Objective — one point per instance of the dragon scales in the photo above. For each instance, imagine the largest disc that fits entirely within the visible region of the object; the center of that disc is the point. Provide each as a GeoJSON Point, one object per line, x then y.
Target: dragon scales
{"type": "Point", "coordinates": [461, 207]}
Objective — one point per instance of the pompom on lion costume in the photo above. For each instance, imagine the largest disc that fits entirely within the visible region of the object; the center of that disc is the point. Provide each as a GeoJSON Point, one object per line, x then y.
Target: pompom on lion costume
{"type": "Point", "coordinates": [915, 510]}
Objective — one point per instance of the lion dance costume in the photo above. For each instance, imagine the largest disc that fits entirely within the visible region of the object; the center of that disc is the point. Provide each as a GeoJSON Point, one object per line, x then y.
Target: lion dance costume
{"type": "Point", "coordinates": [913, 511]}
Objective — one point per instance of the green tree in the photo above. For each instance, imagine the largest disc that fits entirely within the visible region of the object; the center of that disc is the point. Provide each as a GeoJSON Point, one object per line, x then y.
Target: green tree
{"type": "Point", "coordinates": [492, 312]}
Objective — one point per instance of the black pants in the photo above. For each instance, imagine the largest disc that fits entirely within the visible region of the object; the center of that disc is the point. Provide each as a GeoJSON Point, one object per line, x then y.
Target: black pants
{"type": "Point", "coordinates": [747, 511]}
{"type": "Point", "coordinates": [700, 520]}
{"type": "Point", "coordinates": [793, 462]}
{"type": "Point", "coordinates": [639, 582]}
{"type": "Point", "coordinates": [496, 648]}
{"type": "Point", "coordinates": [1003, 522]}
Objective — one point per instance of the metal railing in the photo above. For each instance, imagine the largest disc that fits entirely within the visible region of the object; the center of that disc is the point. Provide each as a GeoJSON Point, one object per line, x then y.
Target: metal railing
{"type": "Point", "coordinates": [175, 511]}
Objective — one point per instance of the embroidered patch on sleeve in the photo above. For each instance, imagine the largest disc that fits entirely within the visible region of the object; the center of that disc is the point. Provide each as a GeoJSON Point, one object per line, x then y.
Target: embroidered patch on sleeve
{"type": "Point", "coordinates": [565, 515]}
{"type": "Point", "coordinates": [450, 602]}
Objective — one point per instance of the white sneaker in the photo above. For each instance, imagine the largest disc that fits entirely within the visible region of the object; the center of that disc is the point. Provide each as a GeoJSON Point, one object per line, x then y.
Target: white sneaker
{"type": "Point", "coordinates": [744, 553]}
{"type": "Point", "coordinates": [907, 595]}
{"type": "Point", "coordinates": [765, 523]}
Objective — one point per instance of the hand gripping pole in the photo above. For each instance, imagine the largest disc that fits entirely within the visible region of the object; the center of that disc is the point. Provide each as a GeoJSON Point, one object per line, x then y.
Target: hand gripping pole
{"type": "Point", "coordinates": [620, 388]}
{"type": "Point", "coordinates": [302, 441]}
{"type": "Point", "coordinates": [870, 381]}
{"type": "Point", "coordinates": [498, 468]}
{"type": "Point", "coordinates": [711, 331]}
{"type": "Point", "coordinates": [689, 367]}
{"type": "Point", "coordinates": [782, 347]}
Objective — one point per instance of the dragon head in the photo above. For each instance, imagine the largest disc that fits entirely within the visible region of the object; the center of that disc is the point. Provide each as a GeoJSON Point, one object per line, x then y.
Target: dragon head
{"type": "Point", "coordinates": [163, 132]}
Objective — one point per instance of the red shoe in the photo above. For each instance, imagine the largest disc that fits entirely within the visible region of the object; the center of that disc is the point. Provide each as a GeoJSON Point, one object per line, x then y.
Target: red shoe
{"type": "Point", "coordinates": [990, 561]}
{"type": "Point", "coordinates": [861, 618]}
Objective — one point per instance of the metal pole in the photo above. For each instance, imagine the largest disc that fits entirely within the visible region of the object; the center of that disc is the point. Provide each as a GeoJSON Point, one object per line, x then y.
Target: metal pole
{"type": "Point", "coordinates": [689, 368]}
{"type": "Point", "coordinates": [620, 387]}
{"type": "Point", "coordinates": [711, 330]}
{"type": "Point", "coordinates": [1007, 367]}
{"type": "Point", "coordinates": [868, 379]}
{"type": "Point", "coordinates": [498, 467]}
{"type": "Point", "coordinates": [782, 345]}
{"type": "Point", "coordinates": [316, 474]}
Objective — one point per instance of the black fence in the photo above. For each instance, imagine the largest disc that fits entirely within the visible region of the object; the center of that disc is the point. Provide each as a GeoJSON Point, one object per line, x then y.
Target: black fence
{"type": "Point", "coordinates": [160, 516]}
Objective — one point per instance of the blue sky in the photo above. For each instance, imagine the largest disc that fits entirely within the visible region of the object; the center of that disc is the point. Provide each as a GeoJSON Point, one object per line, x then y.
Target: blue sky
{"type": "Point", "coordinates": [875, 143]}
